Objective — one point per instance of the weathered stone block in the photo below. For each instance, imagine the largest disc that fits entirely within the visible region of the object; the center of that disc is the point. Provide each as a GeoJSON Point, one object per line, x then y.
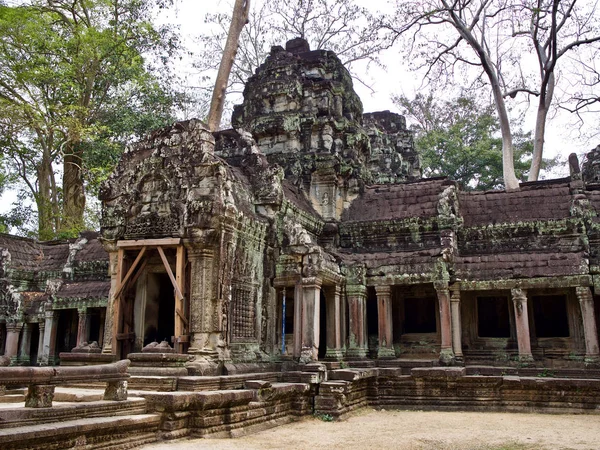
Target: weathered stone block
{"type": "Point", "coordinates": [39, 396]}
{"type": "Point", "coordinates": [116, 390]}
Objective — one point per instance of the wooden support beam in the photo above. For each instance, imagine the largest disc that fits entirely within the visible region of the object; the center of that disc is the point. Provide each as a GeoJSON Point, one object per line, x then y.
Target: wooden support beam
{"type": "Point", "coordinates": [123, 283]}
{"type": "Point", "coordinates": [139, 272]}
{"type": "Point", "coordinates": [165, 261]}
{"type": "Point", "coordinates": [181, 323]}
{"type": "Point", "coordinates": [139, 243]}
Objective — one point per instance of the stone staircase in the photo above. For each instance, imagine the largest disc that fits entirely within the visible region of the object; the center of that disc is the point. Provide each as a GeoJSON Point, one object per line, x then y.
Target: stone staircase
{"type": "Point", "coordinates": [83, 421]}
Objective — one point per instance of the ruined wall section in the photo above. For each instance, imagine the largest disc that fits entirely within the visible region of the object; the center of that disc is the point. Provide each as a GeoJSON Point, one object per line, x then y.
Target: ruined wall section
{"type": "Point", "coordinates": [393, 158]}
{"type": "Point", "coordinates": [172, 185]}
{"type": "Point", "coordinates": [302, 111]}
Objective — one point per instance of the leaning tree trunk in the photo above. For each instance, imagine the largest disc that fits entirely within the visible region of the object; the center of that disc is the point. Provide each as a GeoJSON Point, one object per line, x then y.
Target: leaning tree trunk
{"type": "Point", "coordinates": [238, 20]}
{"type": "Point", "coordinates": [73, 191]}
{"type": "Point", "coordinates": [540, 129]}
{"type": "Point", "coordinates": [511, 183]}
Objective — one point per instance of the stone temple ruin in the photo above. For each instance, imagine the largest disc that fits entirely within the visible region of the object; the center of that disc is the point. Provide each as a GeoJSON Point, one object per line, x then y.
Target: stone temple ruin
{"type": "Point", "coordinates": [300, 264]}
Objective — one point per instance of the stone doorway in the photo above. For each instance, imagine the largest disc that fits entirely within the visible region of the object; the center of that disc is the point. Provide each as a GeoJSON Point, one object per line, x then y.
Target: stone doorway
{"type": "Point", "coordinates": [155, 303]}
{"type": "Point", "coordinates": [285, 322]}
{"type": "Point", "coordinates": [66, 339]}
{"type": "Point", "coordinates": [416, 318]}
{"type": "Point", "coordinates": [150, 295]}
{"type": "Point", "coordinates": [372, 323]}
{"type": "Point", "coordinates": [33, 345]}
{"type": "Point", "coordinates": [322, 326]}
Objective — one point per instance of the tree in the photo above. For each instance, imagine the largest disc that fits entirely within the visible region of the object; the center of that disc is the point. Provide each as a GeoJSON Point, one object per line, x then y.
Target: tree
{"type": "Point", "coordinates": [238, 20]}
{"type": "Point", "coordinates": [459, 138]}
{"type": "Point", "coordinates": [70, 71]}
{"type": "Point", "coordinates": [497, 37]}
{"type": "Point", "coordinates": [338, 25]}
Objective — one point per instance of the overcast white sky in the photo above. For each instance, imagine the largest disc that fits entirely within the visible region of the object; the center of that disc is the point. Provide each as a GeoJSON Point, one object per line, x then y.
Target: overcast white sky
{"type": "Point", "coordinates": [395, 79]}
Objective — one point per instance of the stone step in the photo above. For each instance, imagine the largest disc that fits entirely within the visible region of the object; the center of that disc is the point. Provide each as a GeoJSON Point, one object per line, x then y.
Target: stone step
{"type": "Point", "coordinates": [115, 433]}
{"type": "Point", "coordinates": [13, 415]}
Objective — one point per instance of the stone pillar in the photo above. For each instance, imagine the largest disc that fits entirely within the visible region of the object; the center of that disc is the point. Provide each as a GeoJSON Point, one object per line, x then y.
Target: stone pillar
{"type": "Point", "coordinates": [13, 331]}
{"type": "Point", "coordinates": [203, 305]}
{"type": "Point", "coordinates": [384, 313]}
{"type": "Point", "coordinates": [357, 336]}
{"type": "Point", "coordinates": [83, 326]}
{"type": "Point", "coordinates": [334, 322]}
{"type": "Point", "coordinates": [456, 324]}
{"type": "Point", "coordinates": [25, 346]}
{"type": "Point", "coordinates": [586, 303]}
{"type": "Point", "coordinates": [42, 327]}
{"type": "Point", "coordinates": [443, 296]}
{"type": "Point", "coordinates": [49, 346]}
{"type": "Point", "coordinates": [311, 314]}
{"type": "Point", "coordinates": [113, 259]}
{"type": "Point", "coordinates": [519, 298]}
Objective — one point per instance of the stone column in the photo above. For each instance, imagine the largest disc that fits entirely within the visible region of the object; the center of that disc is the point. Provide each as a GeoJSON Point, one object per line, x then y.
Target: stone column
{"type": "Point", "coordinates": [357, 336]}
{"type": "Point", "coordinates": [443, 296]}
{"type": "Point", "coordinates": [384, 313]}
{"type": "Point", "coordinates": [49, 346]}
{"type": "Point", "coordinates": [519, 298]}
{"type": "Point", "coordinates": [456, 324]}
{"type": "Point", "coordinates": [13, 331]}
{"type": "Point", "coordinates": [586, 303]}
{"type": "Point", "coordinates": [311, 314]}
{"type": "Point", "coordinates": [203, 305]}
{"type": "Point", "coordinates": [25, 345]}
{"type": "Point", "coordinates": [334, 319]}
{"type": "Point", "coordinates": [113, 258]}
{"type": "Point", "coordinates": [41, 327]}
{"type": "Point", "coordinates": [83, 326]}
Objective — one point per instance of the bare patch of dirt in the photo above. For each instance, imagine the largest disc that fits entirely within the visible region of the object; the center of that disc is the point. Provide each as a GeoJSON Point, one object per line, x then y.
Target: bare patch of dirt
{"type": "Point", "coordinates": [417, 430]}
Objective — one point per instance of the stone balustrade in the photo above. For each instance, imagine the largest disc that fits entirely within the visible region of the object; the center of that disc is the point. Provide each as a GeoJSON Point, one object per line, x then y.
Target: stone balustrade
{"type": "Point", "coordinates": [41, 381]}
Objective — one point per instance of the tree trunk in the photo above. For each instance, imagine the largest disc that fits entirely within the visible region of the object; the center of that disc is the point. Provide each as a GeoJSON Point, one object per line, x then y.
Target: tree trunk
{"type": "Point", "coordinates": [238, 20]}
{"type": "Point", "coordinates": [511, 183]}
{"type": "Point", "coordinates": [73, 191]}
{"type": "Point", "coordinates": [540, 130]}
{"type": "Point", "coordinates": [43, 199]}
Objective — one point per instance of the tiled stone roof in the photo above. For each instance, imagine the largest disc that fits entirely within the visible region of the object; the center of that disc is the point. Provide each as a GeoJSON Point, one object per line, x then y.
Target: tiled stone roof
{"type": "Point", "coordinates": [400, 201]}
{"type": "Point", "coordinates": [535, 202]}
{"type": "Point", "coordinates": [84, 290]}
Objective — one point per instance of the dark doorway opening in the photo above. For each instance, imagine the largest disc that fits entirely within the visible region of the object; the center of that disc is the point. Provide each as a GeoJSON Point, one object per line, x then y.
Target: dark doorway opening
{"type": "Point", "coordinates": [97, 316]}
{"type": "Point", "coordinates": [550, 315]}
{"type": "Point", "coordinates": [322, 326]}
{"type": "Point", "coordinates": [166, 309]}
{"type": "Point", "coordinates": [372, 322]}
{"type": "Point", "coordinates": [66, 339]}
{"type": "Point", "coordinates": [33, 345]}
{"type": "Point", "coordinates": [493, 318]}
{"type": "Point", "coordinates": [419, 315]}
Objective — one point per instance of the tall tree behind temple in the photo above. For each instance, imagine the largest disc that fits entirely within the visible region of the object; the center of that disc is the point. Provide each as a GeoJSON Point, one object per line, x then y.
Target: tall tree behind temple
{"type": "Point", "coordinates": [460, 139]}
{"type": "Point", "coordinates": [349, 30]}
{"type": "Point", "coordinates": [513, 48]}
{"type": "Point", "coordinates": [75, 85]}
{"type": "Point", "coordinates": [238, 20]}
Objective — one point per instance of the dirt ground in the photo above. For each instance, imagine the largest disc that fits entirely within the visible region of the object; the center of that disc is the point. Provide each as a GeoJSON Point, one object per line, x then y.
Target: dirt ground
{"type": "Point", "coordinates": [412, 430]}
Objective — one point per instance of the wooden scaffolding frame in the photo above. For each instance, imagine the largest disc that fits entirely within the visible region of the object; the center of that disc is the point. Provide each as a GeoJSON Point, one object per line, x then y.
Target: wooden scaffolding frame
{"type": "Point", "coordinates": [128, 279]}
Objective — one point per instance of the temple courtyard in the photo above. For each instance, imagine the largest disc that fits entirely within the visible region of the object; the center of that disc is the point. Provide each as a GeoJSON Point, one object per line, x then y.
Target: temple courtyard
{"type": "Point", "coordinates": [412, 430]}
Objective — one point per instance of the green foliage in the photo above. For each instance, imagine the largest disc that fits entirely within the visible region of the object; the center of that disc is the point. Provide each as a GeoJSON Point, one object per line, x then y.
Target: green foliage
{"type": "Point", "coordinates": [460, 139]}
{"type": "Point", "coordinates": [78, 80]}
{"type": "Point", "coordinates": [324, 417]}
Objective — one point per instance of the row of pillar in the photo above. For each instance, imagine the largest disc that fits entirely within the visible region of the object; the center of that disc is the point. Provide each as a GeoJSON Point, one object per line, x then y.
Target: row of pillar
{"type": "Point", "coordinates": [450, 322]}
{"type": "Point", "coordinates": [18, 338]}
